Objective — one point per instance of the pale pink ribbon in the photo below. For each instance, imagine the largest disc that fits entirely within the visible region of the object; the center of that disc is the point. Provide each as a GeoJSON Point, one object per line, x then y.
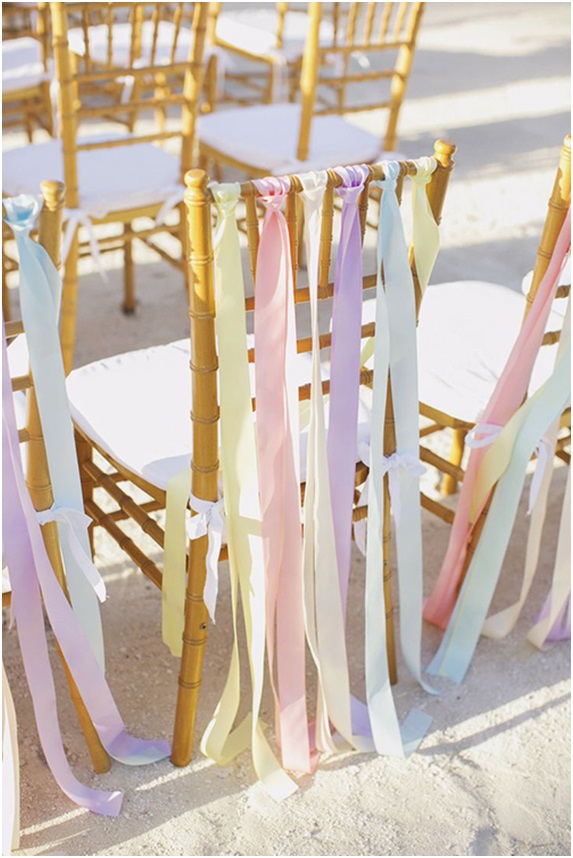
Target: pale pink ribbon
{"type": "Point", "coordinates": [277, 451]}
{"type": "Point", "coordinates": [508, 395]}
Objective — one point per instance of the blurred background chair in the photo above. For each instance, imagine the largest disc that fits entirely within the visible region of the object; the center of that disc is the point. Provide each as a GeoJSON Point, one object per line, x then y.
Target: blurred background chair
{"type": "Point", "coordinates": [133, 410]}
{"type": "Point", "coordinates": [115, 177]}
{"type": "Point", "coordinates": [26, 67]}
{"type": "Point", "coordinates": [372, 42]}
{"type": "Point", "coordinates": [31, 435]}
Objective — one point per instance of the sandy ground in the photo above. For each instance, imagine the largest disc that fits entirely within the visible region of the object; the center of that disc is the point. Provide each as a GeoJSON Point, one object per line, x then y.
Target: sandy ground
{"type": "Point", "coordinates": [493, 775]}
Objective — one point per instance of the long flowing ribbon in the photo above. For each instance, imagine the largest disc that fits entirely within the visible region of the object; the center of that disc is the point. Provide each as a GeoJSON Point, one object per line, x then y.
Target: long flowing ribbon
{"type": "Point", "coordinates": [509, 392]}
{"type": "Point", "coordinates": [504, 463]}
{"type": "Point", "coordinates": [77, 218]}
{"type": "Point", "coordinates": [174, 579]}
{"type": "Point", "coordinates": [324, 607]}
{"type": "Point", "coordinates": [40, 294]}
{"type": "Point", "coordinates": [242, 508]}
{"type": "Point", "coordinates": [10, 772]}
{"type": "Point", "coordinates": [392, 254]}
{"type": "Point", "coordinates": [33, 580]}
{"type": "Point", "coordinates": [279, 472]}
{"type": "Point", "coordinates": [345, 368]}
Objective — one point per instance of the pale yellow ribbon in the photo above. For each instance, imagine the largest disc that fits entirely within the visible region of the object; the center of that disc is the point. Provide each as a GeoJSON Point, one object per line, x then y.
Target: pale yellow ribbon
{"type": "Point", "coordinates": [242, 510]}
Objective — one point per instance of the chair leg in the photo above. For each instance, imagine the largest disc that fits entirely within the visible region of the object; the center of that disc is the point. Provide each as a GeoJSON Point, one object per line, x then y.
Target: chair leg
{"type": "Point", "coordinates": [387, 578]}
{"type": "Point", "coordinates": [84, 453]}
{"type": "Point", "coordinates": [128, 306]}
{"type": "Point", "coordinates": [70, 305]}
{"type": "Point", "coordinates": [191, 669]}
{"type": "Point", "coordinates": [450, 484]}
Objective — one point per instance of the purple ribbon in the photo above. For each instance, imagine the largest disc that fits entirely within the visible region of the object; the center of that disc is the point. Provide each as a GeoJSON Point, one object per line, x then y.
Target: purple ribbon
{"type": "Point", "coordinates": [32, 578]}
{"type": "Point", "coordinates": [342, 441]}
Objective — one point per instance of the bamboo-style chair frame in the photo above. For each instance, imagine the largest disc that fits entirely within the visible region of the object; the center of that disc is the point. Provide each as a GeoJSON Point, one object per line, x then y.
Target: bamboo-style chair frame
{"type": "Point", "coordinates": [205, 412]}
{"type": "Point", "coordinates": [451, 469]}
{"type": "Point", "coordinates": [30, 106]}
{"type": "Point", "coordinates": [393, 33]}
{"type": "Point", "coordinates": [72, 77]}
{"type": "Point", "coordinates": [37, 471]}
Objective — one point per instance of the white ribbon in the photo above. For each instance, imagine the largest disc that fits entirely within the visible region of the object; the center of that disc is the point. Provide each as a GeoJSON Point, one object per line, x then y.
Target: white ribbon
{"type": "Point", "coordinates": [75, 522]}
{"type": "Point", "coordinates": [77, 218]}
{"type": "Point", "coordinates": [174, 198]}
{"type": "Point", "coordinates": [208, 521]}
{"type": "Point", "coordinates": [391, 465]}
{"type": "Point", "coordinates": [544, 453]}
{"type": "Point", "coordinates": [488, 431]}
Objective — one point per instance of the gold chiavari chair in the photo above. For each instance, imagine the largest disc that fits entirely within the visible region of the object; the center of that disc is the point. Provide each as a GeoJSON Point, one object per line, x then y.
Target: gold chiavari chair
{"type": "Point", "coordinates": [30, 434]}
{"type": "Point", "coordinates": [26, 72]}
{"type": "Point", "coordinates": [114, 178]}
{"type": "Point", "coordinates": [133, 410]}
{"type": "Point", "coordinates": [478, 324]}
{"type": "Point", "coordinates": [282, 138]}
{"type": "Point", "coordinates": [269, 38]}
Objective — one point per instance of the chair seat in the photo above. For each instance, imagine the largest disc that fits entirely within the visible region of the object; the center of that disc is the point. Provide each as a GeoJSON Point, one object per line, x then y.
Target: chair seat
{"type": "Point", "coordinates": [22, 65]}
{"type": "Point", "coordinates": [466, 332]}
{"type": "Point", "coordinates": [122, 177]}
{"type": "Point", "coordinates": [255, 31]}
{"type": "Point", "coordinates": [121, 45]}
{"type": "Point", "coordinates": [266, 137]}
{"type": "Point", "coordinates": [136, 408]}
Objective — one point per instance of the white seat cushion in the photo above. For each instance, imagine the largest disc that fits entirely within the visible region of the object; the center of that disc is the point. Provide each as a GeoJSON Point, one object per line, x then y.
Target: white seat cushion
{"type": "Point", "coordinates": [254, 30]}
{"type": "Point", "coordinates": [22, 65]}
{"type": "Point", "coordinates": [466, 332]}
{"type": "Point", "coordinates": [136, 407]}
{"type": "Point", "coordinates": [266, 138]}
{"type": "Point", "coordinates": [121, 177]}
{"type": "Point", "coordinates": [121, 43]}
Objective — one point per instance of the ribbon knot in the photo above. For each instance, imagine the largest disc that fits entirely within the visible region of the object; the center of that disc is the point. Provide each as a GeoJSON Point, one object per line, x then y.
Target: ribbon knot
{"type": "Point", "coordinates": [273, 191]}
{"type": "Point", "coordinates": [391, 465]}
{"type": "Point", "coordinates": [544, 452]}
{"type": "Point", "coordinates": [209, 520]}
{"type": "Point", "coordinates": [75, 522]}
{"type": "Point", "coordinates": [22, 212]}
{"type": "Point", "coordinates": [488, 432]}
{"type": "Point", "coordinates": [226, 196]}
{"type": "Point", "coordinates": [391, 175]}
{"type": "Point", "coordinates": [353, 182]}
{"type": "Point", "coordinates": [425, 166]}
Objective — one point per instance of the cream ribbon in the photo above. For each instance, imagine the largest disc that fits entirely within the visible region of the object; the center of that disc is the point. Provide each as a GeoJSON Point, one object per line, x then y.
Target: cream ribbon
{"type": "Point", "coordinates": [75, 522]}
{"type": "Point", "coordinates": [208, 521]}
{"type": "Point", "coordinates": [544, 453]}
{"type": "Point", "coordinates": [77, 218]}
{"type": "Point", "coordinates": [482, 435]}
{"type": "Point", "coordinates": [242, 509]}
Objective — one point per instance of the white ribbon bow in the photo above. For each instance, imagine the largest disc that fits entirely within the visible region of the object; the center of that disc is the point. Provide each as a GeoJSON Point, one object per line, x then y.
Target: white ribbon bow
{"type": "Point", "coordinates": [76, 521]}
{"type": "Point", "coordinates": [488, 431]}
{"type": "Point", "coordinates": [210, 520]}
{"type": "Point", "coordinates": [544, 452]}
{"type": "Point", "coordinates": [77, 218]}
{"type": "Point", "coordinates": [391, 466]}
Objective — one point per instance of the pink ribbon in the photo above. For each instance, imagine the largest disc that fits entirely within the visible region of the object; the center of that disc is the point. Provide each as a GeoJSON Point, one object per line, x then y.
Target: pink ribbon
{"type": "Point", "coordinates": [345, 369]}
{"type": "Point", "coordinates": [277, 450]}
{"type": "Point", "coordinates": [508, 395]}
{"type": "Point", "coordinates": [32, 579]}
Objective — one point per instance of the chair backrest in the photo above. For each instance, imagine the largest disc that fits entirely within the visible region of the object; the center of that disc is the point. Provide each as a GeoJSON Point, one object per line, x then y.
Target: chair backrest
{"type": "Point", "coordinates": [27, 20]}
{"type": "Point", "coordinates": [142, 46]}
{"type": "Point", "coordinates": [372, 43]}
{"type": "Point", "coordinates": [201, 299]}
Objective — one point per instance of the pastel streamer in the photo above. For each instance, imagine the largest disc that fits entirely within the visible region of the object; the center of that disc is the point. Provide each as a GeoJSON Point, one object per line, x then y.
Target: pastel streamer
{"type": "Point", "coordinates": [345, 368]}
{"type": "Point", "coordinates": [10, 772]}
{"type": "Point", "coordinates": [505, 463]}
{"type": "Point", "coordinates": [242, 509]}
{"type": "Point", "coordinates": [175, 561]}
{"type": "Point", "coordinates": [392, 254]}
{"type": "Point", "coordinates": [324, 609]}
{"type": "Point", "coordinates": [40, 295]}
{"type": "Point", "coordinates": [279, 473]}
{"type": "Point", "coordinates": [33, 581]}
{"type": "Point", "coordinates": [509, 392]}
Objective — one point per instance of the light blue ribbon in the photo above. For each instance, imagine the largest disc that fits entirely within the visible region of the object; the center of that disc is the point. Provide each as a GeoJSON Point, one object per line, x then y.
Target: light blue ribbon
{"type": "Point", "coordinates": [40, 297]}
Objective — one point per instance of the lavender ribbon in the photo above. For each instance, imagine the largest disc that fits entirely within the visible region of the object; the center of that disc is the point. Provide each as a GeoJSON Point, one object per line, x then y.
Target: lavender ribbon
{"type": "Point", "coordinates": [33, 580]}
{"type": "Point", "coordinates": [345, 368]}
